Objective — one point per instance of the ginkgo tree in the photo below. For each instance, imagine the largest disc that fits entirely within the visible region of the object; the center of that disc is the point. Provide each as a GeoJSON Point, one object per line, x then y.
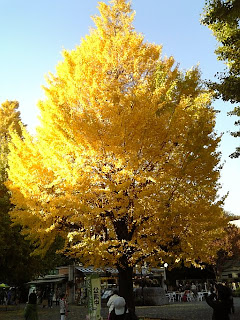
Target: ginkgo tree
{"type": "Point", "coordinates": [15, 250]}
{"type": "Point", "coordinates": [124, 165]}
{"type": "Point", "coordinates": [12, 244]}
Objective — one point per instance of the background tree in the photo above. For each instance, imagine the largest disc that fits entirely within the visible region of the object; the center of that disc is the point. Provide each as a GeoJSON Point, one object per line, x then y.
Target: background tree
{"type": "Point", "coordinates": [124, 164]}
{"type": "Point", "coordinates": [17, 265]}
{"type": "Point", "coordinates": [10, 239]}
{"type": "Point", "coordinates": [229, 248]}
{"type": "Point", "coordinates": [222, 17]}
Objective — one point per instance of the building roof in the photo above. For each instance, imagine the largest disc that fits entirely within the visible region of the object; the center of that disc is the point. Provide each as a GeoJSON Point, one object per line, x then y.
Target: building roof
{"type": "Point", "coordinates": [231, 265]}
{"type": "Point", "coordinates": [49, 279]}
{"type": "Point", "coordinates": [90, 270]}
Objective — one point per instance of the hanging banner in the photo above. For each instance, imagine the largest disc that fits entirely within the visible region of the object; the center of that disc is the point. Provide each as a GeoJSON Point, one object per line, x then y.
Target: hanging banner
{"type": "Point", "coordinates": [94, 296]}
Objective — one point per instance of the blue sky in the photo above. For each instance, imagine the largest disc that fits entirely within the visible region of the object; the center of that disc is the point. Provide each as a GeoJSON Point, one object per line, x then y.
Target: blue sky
{"type": "Point", "coordinates": [33, 34]}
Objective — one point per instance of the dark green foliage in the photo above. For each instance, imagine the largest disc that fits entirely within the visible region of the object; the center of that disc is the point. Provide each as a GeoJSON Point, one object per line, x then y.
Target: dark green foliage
{"type": "Point", "coordinates": [223, 18]}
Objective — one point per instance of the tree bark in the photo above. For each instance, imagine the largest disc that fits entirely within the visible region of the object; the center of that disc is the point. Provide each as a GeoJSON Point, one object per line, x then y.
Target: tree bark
{"type": "Point", "coordinates": [125, 276]}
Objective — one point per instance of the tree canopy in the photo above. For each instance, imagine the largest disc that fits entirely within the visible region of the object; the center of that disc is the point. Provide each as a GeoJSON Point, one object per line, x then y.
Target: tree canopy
{"type": "Point", "coordinates": [15, 250]}
{"type": "Point", "coordinates": [124, 164]}
{"type": "Point", "coordinates": [9, 237]}
{"type": "Point", "coordinates": [9, 120]}
{"type": "Point", "coordinates": [229, 248]}
{"type": "Point", "coordinates": [222, 17]}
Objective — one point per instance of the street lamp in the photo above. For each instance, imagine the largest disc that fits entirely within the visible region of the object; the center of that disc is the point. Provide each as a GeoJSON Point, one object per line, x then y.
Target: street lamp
{"type": "Point", "coordinates": [165, 265]}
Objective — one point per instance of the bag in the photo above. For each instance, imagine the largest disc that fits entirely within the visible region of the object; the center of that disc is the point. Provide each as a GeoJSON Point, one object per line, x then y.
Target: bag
{"type": "Point", "coordinates": [130, 315]}
{"type": "Point", "coordinates": [112, 315]}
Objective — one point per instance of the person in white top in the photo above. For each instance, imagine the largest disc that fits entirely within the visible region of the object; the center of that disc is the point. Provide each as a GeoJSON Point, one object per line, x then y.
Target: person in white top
{"type": "Point", "coordinates": [120, 308]}
{"type": "Point", "coordinates": [110, 303]}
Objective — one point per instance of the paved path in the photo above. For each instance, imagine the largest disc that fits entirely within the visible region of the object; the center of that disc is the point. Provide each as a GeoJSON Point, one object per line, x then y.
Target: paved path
{"type": "Point", "coordinates": [174, 311]}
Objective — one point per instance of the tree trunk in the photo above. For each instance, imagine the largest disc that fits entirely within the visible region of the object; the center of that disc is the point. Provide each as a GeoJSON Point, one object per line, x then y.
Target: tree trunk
{"type": "Point", "coordinates": [125, 276]}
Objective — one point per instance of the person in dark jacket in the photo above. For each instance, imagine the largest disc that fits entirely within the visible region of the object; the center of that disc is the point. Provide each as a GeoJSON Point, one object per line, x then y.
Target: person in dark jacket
{"type": "Point", "coordinates": [30, 311]}
{"type": "Point", "coordinates": [220, 302]}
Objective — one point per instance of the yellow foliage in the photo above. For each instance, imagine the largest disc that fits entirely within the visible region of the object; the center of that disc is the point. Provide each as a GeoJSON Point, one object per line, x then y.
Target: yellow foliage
{"type": "Point", "coordinates": [9, 120]}
{"type": "Point", "coordinates": [124, 164]}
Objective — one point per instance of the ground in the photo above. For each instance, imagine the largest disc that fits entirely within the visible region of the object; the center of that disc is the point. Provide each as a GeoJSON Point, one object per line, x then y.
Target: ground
{"type": "Point", "coordinates": [173, 311]}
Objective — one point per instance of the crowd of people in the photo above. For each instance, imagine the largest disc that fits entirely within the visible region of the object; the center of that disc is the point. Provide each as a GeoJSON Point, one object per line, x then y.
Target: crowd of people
{"type": "Point", "coordinates": [31, 311]}
{"type": "Point", "coordinates": [9, 296]}
{"type": "Point", "coordinates": [46, 297]}
{"type": "Point", "coordinates": [219, 296]}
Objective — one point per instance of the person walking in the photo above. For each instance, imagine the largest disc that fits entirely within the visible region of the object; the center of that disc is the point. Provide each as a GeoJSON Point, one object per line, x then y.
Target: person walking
{"type": "Point", "coordinates": [30, 311]}
{"type": "Point", "coordinates": [50, 299]}
{"type": "Point", "coordinates": [57, 296]}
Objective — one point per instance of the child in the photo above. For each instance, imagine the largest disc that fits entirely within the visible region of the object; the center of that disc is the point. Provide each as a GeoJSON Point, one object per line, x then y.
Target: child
{"type": "Point", "coordinates": [63, 306]}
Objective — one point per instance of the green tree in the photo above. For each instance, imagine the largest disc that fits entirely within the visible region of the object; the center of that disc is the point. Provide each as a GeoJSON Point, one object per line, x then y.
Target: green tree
{"type": "Point", "coordinates": [124, 166]}
{"type": "Point", "coordinates": [222, 17]}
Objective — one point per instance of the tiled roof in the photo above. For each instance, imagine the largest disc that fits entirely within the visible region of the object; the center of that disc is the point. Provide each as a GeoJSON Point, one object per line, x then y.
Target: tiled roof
{"type": "Point", "coordinates": [89, 270]}
{"type": "Point", "coordinates": [231, 264]}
